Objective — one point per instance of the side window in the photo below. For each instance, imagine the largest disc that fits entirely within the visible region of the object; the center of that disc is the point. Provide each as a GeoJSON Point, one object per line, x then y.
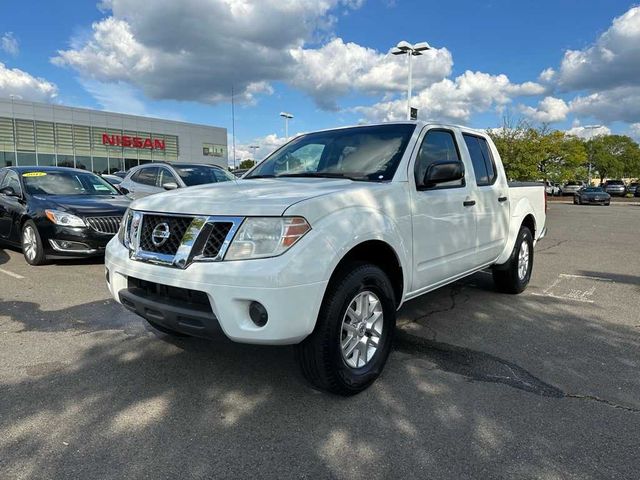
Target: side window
{"type": "Point", "coordinates": [166, 177]}
{"type": "Point", "coordinates": [221, 175]}
{"type": "Point", "coordinates": [437, 146]}
{"type": "Point", "coordinates": [147, 176]}
{"type": "Point", "coordinates": [2, 175]}
{"type": "Point", "coordinates": [11, 180]}
{"type": "Point", "coordinates": [482, 160]}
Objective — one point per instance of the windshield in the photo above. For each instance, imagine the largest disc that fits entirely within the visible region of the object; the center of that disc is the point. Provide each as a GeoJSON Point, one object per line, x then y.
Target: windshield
{"type": "Point", "coordinates": [66, 183]}
{"type": "Point", "coordinates": [201, 174]}
{"type": "Point", "coordinates": [358, 153]}
{"type": "Point", "coordinates": [593, 189]}
{"type": "Point", "coordinates": [615, 182]}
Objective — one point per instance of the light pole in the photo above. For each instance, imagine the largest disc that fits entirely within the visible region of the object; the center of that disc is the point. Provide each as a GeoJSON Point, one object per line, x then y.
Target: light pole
{"type": "Point", "coordinates": [253, 149]}
{"type": "Point", "coordinates": [286, 117]}
{"type": "Point", "coordinates": [405, 48]}
{"type": "Point", "coordinates": [591, 127]}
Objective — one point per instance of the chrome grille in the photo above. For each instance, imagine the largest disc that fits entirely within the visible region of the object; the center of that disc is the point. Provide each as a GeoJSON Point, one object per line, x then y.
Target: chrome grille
{"type": "Point", "coordinates": [219, 232]}
{"type": "Point", "coordinates": [177, 228]}
{"type": "Point", "coordinates": [107, 225]}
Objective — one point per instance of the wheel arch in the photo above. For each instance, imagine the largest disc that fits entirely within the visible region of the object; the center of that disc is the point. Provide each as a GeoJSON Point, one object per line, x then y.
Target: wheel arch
{"type": "Point", "coordinates": [381, 254]}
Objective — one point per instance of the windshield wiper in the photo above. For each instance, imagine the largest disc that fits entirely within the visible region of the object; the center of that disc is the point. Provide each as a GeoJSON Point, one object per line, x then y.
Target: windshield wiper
{"type": "Point", "coordinates": [323, 175]}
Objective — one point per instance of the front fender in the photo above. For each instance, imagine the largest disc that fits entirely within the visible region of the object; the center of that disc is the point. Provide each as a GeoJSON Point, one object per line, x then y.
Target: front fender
{"type": "Point", "coordinates": [350, 227]}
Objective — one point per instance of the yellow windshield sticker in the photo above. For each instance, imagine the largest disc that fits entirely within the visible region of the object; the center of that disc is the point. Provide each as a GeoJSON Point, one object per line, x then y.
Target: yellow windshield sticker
{"type": "Point", "coordinates": [34, 174]}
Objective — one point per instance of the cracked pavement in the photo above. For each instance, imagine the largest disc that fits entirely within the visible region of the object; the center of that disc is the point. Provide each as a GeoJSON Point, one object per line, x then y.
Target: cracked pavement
{"type": "Point", "coordinates": [480, 384]}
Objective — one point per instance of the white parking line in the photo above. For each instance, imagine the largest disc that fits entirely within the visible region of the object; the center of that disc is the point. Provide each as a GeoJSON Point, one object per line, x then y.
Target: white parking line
{"type": "Point", "coordinates": [11, 274]}
{"type": "Point", "coordinates": [602, 279]}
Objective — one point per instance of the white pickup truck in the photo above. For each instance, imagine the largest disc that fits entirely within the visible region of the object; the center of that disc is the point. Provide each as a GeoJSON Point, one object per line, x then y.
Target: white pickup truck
{"type": "Point", "coordinates": [322, 242]}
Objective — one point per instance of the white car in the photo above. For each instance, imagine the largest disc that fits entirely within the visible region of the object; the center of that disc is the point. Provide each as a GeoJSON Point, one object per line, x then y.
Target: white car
{"type": "Point", "coordinates": [323, 241]}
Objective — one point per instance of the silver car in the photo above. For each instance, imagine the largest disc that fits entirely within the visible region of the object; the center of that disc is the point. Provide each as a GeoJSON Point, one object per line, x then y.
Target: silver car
{"type": "Point", "coordinates": [159, 177]}
{"type": "Point", "coordinates": [615, 188]}
{"type": "Point", "coordinates": [570, 188]}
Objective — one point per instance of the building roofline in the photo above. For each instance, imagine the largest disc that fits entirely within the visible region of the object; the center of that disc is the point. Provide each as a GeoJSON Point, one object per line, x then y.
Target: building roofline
{"type": "Point", "coordinates": [103, 112]}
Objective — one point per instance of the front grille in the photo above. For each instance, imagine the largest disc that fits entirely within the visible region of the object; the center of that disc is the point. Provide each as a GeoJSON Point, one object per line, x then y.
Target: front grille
{"type": "Point", "coordinates": [219, 232]}
{"type": "Point", "coordinates": [177, 228]}
{"type": "Point", "coordinates": [108, 225]}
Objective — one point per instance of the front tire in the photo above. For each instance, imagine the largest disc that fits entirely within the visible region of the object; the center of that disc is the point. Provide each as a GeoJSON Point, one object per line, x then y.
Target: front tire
{"type": "Point", "coordinates": [352, 340]}
{"type": "Point", "coordinates": [32, 247]}
{"type": "Point", "coordinates": [513, 277]}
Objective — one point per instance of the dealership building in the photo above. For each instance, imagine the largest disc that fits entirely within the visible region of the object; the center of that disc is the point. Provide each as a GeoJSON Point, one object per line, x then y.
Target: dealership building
{"type": "Point", "coordinates": [102, 142]}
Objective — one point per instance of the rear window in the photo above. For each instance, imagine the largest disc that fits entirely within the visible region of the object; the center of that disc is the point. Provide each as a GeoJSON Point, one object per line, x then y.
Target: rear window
{"type": "Point", "coordinates": [202, 174]}
{"type": "Point", "coordinates": [615, 182]}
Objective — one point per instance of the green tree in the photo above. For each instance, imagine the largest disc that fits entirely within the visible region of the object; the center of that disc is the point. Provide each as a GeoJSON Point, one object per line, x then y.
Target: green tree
{"type": "Point", "coordinates": [248, 163]}
{"type": "Point", "coordinates": [614, 156]}
{"type": "Point", "coordinates": [563, 157]}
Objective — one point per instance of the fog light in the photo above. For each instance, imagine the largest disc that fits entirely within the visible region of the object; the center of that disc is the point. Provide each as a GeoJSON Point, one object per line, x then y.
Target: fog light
{"type": "Point", "coordinates": [258, 314]}
{"type": "Point", "coordinates": [69, 246]}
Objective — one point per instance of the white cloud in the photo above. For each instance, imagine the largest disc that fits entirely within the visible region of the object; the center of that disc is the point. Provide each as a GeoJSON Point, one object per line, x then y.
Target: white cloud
{"type": "Point", "coordinates": [9, 43]}
{"type": "Point", "coordinates": [634, 131]}
{"type": "Point", "coordinates": [337, 68]}
{"type": "Point", "coordinates": [588, 131]}
{"type": "Point", "coordinates": [547, 75]}
{"type": "Point", "coordinates": [549, 110]}
{"type": "Point", "coordinates": [16, 82]}
{"type": "Point", "coordinates": [617, 104]}
{"type": "Point", "coordinates": [612, 61]}
{"type": "Point", "coordinates": [199, 49]}
{"type": "Point", "coordinates": [455, 100]}
{"type": "Point", "coordinates": [266, 145]}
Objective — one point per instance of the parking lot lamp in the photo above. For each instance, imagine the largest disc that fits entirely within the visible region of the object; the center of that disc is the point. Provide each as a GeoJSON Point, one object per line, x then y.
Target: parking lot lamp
{"type": "Point", "coordinates": [591, 127]}
{"type": "Point", "coordinates": [405, 48]}
{"type": "Point", "coordinates": [286, 117]}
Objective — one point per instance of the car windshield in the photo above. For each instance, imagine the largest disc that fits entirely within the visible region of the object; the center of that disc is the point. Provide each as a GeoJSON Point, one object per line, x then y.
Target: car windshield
{"type": "Point", "coordinates": [201, 174]}
{"type": "Point", "coordinates": [358, 153]}
{"type": "Point", "coordinates": [593, 189]}
{"type": "Point", "coordinates": [615, 182]}
{"type": "Point", "coordinates": [571, 184]}
{"type": "Point", "coordinates": [66, 183]}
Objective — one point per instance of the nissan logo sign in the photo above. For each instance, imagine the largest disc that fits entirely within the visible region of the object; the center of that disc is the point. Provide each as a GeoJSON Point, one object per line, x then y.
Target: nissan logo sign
{"type": "Point", "coordinates": [160, 234]}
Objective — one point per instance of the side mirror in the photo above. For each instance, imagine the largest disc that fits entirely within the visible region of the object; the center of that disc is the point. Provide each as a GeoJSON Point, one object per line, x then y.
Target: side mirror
{"type": "Point", "coordinates": [170, 186]}
{"type": "Point", "coordinates": [122, 190]}
{"type": "Point", "coordinates": [442, 172]}
{"type": "Point", "coordinates": [9, 192]}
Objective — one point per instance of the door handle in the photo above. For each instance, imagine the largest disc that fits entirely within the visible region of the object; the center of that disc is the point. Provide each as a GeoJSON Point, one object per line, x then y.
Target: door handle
{"type": "Point", "coordinates": [502, 199]}
{"type": "Point", "coordinates": [469, 203]}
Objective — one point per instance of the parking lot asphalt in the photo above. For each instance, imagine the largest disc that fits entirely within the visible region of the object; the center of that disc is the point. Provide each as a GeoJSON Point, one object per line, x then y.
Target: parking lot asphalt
{"type": "Point", "coordinates": [480, 385]}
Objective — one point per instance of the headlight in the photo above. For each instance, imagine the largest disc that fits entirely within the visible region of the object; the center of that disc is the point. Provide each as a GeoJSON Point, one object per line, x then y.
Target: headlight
{"type": "Point", "coordinates": [65, 219]}
{"type": "Point", "coordinates": [129, 228]}
{"type": "Point", "coordinates": [261, 237]}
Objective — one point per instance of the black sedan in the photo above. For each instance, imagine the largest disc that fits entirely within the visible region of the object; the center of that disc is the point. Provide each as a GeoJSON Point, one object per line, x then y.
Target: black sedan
{"type": "Point", "coordinates": [55, 212]}
{"type": "Point", "coordinates": [595, 195]}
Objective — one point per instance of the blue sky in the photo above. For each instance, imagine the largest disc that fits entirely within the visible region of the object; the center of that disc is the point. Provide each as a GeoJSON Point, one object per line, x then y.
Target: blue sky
{"type": "Point", "coordinates": [327, 61]}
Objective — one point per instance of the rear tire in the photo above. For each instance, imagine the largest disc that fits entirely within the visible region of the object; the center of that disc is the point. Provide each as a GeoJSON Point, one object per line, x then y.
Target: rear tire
{"type": "Point", "coordinates": [352, 339]}
{"type": "Point", "coordinates": [513, 276]}
{"type": "Point", "coordinates": [32, 247]}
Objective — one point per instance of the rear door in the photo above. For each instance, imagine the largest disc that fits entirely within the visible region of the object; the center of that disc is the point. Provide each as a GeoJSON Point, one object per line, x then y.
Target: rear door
{"type": "Point", "coordinates": [443, 220]}
{"type": "Point", "coordinates": [144, 182]}
{"type": "Point", "coordinates": [492, 199]}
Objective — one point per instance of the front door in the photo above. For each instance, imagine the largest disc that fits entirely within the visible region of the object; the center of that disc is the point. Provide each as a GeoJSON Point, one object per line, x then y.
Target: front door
{"type": "Point", "coordinates": [444, 225]}
{"type": "Point", "coordinates": [9, 205]}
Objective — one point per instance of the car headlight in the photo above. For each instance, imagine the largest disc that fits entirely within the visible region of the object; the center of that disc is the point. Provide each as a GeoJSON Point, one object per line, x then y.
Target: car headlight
{"type": "Point", "coordinates": [65, 219]}
{"type": "Point", "coordinates": [129, 228]}
{"type": "Point", "coordinates": [262, 237]}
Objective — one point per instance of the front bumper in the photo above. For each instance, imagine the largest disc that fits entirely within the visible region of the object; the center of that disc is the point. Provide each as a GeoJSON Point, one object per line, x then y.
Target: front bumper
{"type": "Point", "coordinates": [596, 201]}
{"type": "Point", "coordinates": [230, 287]}
{"type": "Point", "coordinates": [95, 242]}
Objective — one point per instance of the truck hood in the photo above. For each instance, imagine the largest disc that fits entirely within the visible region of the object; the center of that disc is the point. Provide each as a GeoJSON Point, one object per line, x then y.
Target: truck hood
{"type": "Point", "coordinates": [269, 197]}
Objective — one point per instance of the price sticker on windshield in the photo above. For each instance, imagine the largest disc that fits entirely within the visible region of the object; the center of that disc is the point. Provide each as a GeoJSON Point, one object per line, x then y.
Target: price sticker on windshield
{"type": "Point", "coordinates": [34, 174]}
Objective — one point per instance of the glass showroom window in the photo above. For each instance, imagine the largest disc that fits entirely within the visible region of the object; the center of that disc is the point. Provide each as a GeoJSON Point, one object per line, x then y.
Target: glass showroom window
{"type": "Point", "coordinates": [100, 165]}
{"type": "Point", "coordinates": [26, 159]}
{"type": "Point", "coordinates": [46, 160]}
{"type": "Point", "coordinates": [7, 159]}
{"type": "Point", "coordinates": [83, 163]}
{"type": "Point", "coordinates": [65, 161]}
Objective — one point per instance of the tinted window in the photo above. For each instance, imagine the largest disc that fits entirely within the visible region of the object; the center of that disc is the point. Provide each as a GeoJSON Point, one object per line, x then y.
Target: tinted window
{"type": "Point", "coordinates": [66, 183]}
{"type": "Point", "coordinates": [2, 174]}
{"type": "Point", "coordinates": [147, 176]}
{"type": "Point", "coordinates": [437, 146]}
{"type": "Point", "coordinates": [11, 180]}
{"type": "Point", "coordinates": [482, 160]}
{"type": "Point", "coordinates": [615, 182]}
{"type": "Point", "coordinates": [360, 153]}
{"type": "Point", "coordinates": [223, 175]}
{"type": "Point", "coordinates": [198, 174]}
